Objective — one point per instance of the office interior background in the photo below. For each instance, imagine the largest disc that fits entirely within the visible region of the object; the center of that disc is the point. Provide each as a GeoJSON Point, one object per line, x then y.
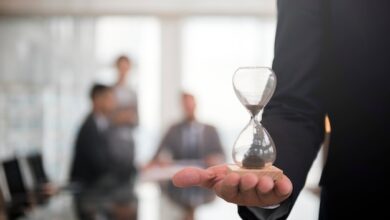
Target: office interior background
{"type": "Point", "coordinates": [52, 51]}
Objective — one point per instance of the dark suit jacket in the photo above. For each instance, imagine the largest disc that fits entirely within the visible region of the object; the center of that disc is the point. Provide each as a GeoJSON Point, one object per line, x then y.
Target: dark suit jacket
{"type": "Point", "coordinates": [332, 57]}
{"type": "Point", "coordinates": [91, 155]}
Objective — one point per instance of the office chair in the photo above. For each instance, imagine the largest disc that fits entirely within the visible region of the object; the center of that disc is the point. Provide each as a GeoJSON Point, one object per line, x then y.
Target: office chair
{"type": "Point", "coordinates": [17, 191]}
{"type": "Point", "coordinates": [39, 177]}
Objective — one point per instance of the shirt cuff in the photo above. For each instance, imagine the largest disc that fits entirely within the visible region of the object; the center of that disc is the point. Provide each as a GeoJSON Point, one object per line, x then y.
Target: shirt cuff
{"type": "Point", "coordinates": [271, 206]}
{"type": "Point", "coordinates": [274, 212]}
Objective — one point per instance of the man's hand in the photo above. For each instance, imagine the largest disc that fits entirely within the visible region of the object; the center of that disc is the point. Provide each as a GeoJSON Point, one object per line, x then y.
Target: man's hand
{"type": "Point", "coordinates": [246, 190]}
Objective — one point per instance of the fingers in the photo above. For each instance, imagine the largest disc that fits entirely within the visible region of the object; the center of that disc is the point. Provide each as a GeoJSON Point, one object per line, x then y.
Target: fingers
{"type": "Point", "coordinates": [228, 188]}
{"type": "Point", "coordinates": [248, 182]}
{"type": "Point", "coordinates": [265, 185]}
{"type": "Point", "coordinates": [220, 171]}
{"type": "Point", "coordinates": [283, 187]}
{"type": "Point", "coordinates": [264, 191]}
{"type": "Point", "coordinates": [249, 189]}
{"type": "Point", "coordinates": [270, 192]}
{"type": "Point", "coordinates": [192, 177]}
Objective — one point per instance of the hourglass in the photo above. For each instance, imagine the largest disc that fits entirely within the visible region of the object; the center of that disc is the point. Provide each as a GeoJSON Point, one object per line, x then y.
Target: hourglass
{"type": "Point", "coordinates": [254, 150]}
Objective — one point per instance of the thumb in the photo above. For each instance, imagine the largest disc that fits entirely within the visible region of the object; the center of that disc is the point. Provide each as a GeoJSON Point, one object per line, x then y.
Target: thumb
{"type": "Point", "coordinates": [192, 176]}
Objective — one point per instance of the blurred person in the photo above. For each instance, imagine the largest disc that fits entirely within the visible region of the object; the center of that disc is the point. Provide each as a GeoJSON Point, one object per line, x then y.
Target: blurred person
{"type": "Point", "coordinates": [91, 155]}
{"type": "Point", "coordinates": [331, 57]}
{"type": "Point", "coordinates": [125, 115]}
{"type": "Point", "coordinates": [189, 142]}
{"type": "Point", "coordinates": [124, 120]}
{"type": "Point", "coordinates": [106, 187]}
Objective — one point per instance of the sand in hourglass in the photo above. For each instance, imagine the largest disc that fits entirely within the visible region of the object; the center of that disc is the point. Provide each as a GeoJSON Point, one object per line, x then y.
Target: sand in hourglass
{"type": "Point", "coordinates": [252, 158]}
{"type": "Point", "coordinates": [254, 109]}
{"type": "Point", "coordinates": [255, 164]}
{"type": "Point", "coordinates": [253, 161]}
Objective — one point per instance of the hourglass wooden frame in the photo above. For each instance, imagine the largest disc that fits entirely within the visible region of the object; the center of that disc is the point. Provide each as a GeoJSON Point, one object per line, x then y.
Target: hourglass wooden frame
{"type": "Point", "coordinates": [254, 150]}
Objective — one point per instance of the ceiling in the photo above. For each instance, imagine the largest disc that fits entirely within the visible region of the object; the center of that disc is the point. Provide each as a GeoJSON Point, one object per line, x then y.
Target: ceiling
{"type": "Point", "coordinates": [138, 7]}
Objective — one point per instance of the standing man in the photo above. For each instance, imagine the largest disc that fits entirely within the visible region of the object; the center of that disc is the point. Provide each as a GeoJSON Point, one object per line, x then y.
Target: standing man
{"type": "Point", "coordinates": [189, 142]}
{"type": "Point", "coordinates": [331, 57]}
{"type": "Point", "coordinates": [121, 141]}
{"type": "Point", "coordinates": [124, 118]}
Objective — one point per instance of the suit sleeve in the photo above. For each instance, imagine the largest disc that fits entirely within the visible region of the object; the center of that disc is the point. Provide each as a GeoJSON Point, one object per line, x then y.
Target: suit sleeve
{"type": "Point", "coordinates": [294, 117]}
{"type": "Point", "coordinates": [91, 149]}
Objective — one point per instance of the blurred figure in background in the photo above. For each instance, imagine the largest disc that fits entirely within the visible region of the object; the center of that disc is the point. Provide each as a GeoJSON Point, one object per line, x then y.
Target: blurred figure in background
{"type": "Point", "coordinates": [125, 116]}
{"type": "Point", "coordinates": [189, 142]}
{"type": "Point", "coordinates": [91, 158]}
{"type": "Point", "coordinates": [121, 140]}
{"type": "Point", "coordinates": [106, 182]}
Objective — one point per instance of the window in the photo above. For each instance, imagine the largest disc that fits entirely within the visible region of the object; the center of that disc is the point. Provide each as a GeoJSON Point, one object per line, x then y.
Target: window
{"type": "Point", "coordinates": [139, 38]}
{"type": "Point", "coordinates": [213, 48]}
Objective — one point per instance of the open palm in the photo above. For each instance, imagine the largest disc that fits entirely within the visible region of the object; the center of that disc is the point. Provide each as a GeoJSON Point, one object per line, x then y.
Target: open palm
{"type": "Point", "coordinates": [246, 190]}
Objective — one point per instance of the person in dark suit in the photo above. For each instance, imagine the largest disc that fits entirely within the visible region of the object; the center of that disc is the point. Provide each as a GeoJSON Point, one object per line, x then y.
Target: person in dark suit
{"type": "Point", "coordinates": [91, 150]}
{"type": "Point", "coordinates": [106, 183]}
{"type": "Point", "coordinates": [189, 142]}
{"type": "Point", "coordinates": [331, 57]}
{"type": "Point", "coordinates": [90, 166]}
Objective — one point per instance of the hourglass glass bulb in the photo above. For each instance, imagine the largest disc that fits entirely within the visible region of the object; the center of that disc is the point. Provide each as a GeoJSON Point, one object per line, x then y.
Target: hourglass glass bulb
{"type": "Point", "coordinates": [254, 147]}
{"type": "Point", "coordinates": [254, 87]}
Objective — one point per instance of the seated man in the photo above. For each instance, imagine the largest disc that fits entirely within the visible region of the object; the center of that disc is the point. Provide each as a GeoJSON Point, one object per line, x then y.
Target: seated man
{"type": "Point", "coordinates": [189, 142]}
